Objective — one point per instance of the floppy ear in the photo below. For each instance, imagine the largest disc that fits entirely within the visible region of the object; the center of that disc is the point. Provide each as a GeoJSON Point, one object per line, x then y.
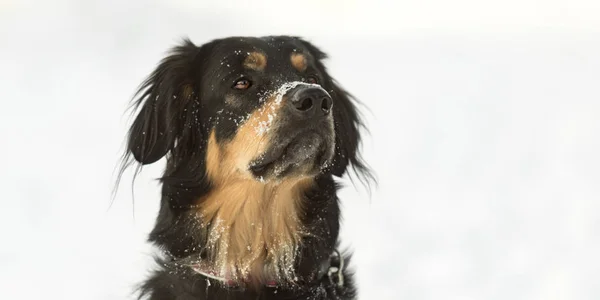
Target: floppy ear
{"type": "Point", "coordinates": [163, 96]}
{"type": "Point", "coordinates": [347, 134]}
{"type": "Point", "coordinates": [346, 120]}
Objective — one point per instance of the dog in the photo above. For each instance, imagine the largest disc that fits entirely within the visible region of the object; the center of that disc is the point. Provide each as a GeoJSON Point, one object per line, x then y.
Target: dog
{"type": "Point", "coordinates": [254, 130]}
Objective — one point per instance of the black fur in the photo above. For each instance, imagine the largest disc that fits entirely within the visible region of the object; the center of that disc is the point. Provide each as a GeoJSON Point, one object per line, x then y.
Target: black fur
{"type": "Point", "coordinates": [178, 106]}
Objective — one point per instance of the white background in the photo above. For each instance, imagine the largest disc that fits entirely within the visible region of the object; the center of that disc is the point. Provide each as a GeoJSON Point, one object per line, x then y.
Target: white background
{"type": "Point", "coordinates": [484, 121]}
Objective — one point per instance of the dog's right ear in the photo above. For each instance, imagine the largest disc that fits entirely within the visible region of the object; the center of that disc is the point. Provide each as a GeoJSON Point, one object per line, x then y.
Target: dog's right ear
{"type": "Point", "coordinates": [163, 96]}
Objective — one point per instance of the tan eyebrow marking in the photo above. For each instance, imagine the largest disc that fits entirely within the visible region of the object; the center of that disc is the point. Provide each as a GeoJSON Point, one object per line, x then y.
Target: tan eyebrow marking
{"type": "Point", "coordinates": [299, 61]}
{"type": "Point", "coordinates": [256, 61]}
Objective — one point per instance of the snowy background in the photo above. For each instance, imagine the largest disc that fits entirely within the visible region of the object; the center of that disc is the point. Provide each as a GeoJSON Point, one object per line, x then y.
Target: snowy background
{"type": "Point", "coordinates": [485, 137]}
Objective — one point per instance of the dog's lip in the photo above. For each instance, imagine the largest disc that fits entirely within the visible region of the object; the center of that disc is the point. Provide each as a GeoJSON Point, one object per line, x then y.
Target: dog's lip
{"type": "Point", "coordinates": [271, 156]}
{"type": "Point", "coordinates": [266, 160]}
{"type": "Point", "coordinates": [263, 162]}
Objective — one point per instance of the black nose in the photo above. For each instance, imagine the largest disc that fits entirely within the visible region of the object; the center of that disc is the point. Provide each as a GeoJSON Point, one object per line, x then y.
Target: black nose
{"type": "Point", "coordinates": [311, 101]}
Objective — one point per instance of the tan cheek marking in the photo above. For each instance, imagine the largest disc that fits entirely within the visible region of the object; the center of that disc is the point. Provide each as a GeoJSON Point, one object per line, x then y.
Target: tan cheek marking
{"type": "Point", "coordinates": [299, 61]}
{"type": "Point", "coordinates": [251, 140]}
{"type": "Point", "coordinates": [256, 61]}
{"type": "Point", "coordinates": [231, 160]}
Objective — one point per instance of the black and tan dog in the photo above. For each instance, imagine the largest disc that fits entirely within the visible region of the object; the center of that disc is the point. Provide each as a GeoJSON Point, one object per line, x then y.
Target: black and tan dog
{"type": "Point", "coordinates": [253, 130]}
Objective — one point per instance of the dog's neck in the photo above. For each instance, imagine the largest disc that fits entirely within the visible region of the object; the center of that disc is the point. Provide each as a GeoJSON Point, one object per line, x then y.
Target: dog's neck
{"type": "Point", "coordinates": [253, 229]}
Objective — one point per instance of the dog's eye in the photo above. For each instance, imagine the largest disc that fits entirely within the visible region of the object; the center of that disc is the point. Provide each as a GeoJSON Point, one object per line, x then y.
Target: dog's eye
{"type": "Point", "coordinates": [242, 84]}
{"type": "Point", "coordinates": [312, 80]}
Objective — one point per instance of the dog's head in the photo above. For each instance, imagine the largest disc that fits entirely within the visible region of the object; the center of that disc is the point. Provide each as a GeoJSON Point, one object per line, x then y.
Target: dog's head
{"type": "Point", "coordinates": [248, 126]}
{"type": "Point", "coordinates": [260, 108]}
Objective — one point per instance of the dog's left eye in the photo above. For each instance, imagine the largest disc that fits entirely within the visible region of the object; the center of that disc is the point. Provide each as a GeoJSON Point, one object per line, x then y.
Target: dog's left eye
{"type": "Point", "coordinates": [312, 80]}
{"type": "Point", "coordinates": [242, 84]}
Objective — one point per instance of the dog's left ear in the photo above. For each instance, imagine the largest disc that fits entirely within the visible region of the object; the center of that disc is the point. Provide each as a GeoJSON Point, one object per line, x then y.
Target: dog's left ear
{"type": "Point", "coordinates": [346, 119]}
{"type": "Point", "coordinates": [163, 97]}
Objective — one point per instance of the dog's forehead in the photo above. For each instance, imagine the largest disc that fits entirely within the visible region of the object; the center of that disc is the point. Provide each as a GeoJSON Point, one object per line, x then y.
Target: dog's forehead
{"type": "Point", "coordinates": [273, 49]}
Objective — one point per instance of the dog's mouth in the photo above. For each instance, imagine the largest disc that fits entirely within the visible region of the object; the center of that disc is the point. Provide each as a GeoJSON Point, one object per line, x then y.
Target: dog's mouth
{"type": "Point", "coordinates": [307, 152]}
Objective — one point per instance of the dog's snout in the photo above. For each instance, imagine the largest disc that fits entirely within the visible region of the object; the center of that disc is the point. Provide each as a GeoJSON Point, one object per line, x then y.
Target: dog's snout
{"type": "Point", "coordinates": [311, 102]}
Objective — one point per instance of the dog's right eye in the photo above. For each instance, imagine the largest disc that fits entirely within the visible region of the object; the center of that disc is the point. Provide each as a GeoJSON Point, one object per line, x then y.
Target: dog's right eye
{"type": "Point", "coordinates": [242, 84]}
